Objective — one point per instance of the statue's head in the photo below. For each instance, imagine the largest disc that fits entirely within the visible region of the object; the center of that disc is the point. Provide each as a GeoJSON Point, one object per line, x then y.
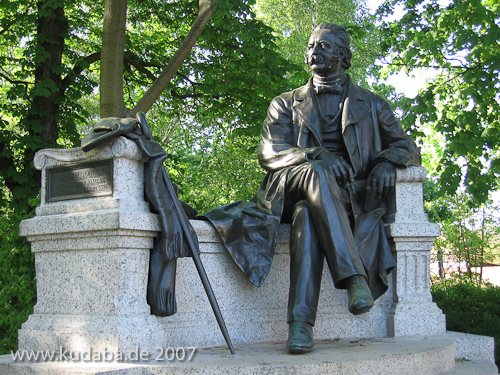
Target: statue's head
{"type": "Point", "coordinates": [328, 51]}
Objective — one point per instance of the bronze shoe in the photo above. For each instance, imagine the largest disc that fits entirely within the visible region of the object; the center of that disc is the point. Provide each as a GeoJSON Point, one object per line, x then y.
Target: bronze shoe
{"type": "Point", "coordinates": [359, 295]}
{"type": "Point", "coordinates": [300, 338]}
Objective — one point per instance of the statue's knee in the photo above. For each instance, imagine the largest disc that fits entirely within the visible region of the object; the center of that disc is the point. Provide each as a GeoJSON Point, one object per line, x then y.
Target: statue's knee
{"type": "Point", "coordinates": [315, 169]}
{"type": "Point", "coordinates": [316, 172]}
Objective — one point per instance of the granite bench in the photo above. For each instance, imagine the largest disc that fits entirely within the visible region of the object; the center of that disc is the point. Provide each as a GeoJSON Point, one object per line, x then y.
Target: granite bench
{"type": "Point", "coordinates": [92, 259]}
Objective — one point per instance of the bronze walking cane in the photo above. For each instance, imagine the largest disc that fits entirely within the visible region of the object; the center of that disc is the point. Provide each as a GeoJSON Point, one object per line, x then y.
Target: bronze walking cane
{"type": "Point", "coordinates": [141, 118]}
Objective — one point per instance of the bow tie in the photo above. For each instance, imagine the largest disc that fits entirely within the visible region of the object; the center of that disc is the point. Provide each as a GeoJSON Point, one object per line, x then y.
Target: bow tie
{"type": "Point", "coordinates": [333, 89]}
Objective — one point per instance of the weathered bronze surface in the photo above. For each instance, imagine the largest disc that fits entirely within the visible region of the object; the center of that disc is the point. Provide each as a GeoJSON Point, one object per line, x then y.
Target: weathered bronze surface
{"type": "Point", "coordinates": [331, 149]}
{"type": "Point", "coordinates": [91, 179]}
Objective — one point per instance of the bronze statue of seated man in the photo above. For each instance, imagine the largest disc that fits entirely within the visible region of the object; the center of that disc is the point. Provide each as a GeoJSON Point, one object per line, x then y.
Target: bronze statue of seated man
{"type": "Point", "coordinates": [331, 149]}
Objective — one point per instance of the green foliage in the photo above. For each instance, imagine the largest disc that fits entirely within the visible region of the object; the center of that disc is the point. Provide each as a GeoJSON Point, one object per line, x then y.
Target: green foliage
{"type": "Point", "coordinates": [39, 108]}
{"type": "Point", "coordinates": [38, 90]}
{"type": "Point", "coordinates": [470, 308]}
{"type": "Point", "coordinates": [459, 41]}
{"type": "Point", "coordinates": [468, 235]}
{"type": "Point", "coordinates": [293, 22]}
{"type": "Point", "coordinates": [216, 173]}
{"type": "Point", "coordinates": [208, 118]}
{"type": "Point", "coordinates": [17, 281]}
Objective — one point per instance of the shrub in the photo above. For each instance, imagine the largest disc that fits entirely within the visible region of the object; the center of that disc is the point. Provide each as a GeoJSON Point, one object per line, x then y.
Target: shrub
{"type": "Point", "coordinates": [470, 308]}
{"type": "Point", "coordinates": [17, 281]}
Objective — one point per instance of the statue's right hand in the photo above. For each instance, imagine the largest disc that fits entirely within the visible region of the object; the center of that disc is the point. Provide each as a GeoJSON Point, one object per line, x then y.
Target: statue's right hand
{"type": "Point", "coordinates": [341, 169]}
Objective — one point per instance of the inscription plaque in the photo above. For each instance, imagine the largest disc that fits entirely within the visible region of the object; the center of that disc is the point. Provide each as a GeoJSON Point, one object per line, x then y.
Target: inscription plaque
{"type": "Point", "coordinates": [86, 180]}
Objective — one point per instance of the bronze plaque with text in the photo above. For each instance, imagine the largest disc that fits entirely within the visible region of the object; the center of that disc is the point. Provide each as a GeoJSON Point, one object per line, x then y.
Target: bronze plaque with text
{"type": "Point", "coordinates": [92, 179]}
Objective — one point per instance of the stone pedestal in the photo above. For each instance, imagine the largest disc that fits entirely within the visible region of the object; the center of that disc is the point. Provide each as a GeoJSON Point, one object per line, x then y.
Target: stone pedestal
{"type": "Point", "coordinates": [92, 257]}
{"type": "Point", "coordinates": [412, 311]}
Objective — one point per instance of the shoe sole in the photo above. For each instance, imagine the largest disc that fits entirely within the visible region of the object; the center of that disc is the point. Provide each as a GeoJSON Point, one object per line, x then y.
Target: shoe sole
{"type": "Point", "coordinates": [362, 309]}
{"type": "Point", "coordinates": [299, 350]}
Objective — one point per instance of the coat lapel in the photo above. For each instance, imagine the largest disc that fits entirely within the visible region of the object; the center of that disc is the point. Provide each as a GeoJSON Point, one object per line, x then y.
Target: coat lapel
{"type": "Point", "coordinates": [307, 113]}
{"type": "Point", "coordinates": [356, 107]}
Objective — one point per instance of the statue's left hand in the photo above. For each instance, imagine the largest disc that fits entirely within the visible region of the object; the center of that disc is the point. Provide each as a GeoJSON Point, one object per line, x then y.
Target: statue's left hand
{"type": "Point", "coordinates": [382, 179]}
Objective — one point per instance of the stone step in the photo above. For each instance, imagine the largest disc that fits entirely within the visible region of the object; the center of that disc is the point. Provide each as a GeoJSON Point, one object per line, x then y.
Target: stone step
{"type": "Point", "coordinates": [463, 367]}
{"type": "Point", "coordinates": [398, 356]}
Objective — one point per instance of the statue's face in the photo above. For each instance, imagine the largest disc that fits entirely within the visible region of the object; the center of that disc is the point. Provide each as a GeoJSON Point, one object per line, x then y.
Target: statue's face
{"type": "Point", "coordinates": [322, 53]}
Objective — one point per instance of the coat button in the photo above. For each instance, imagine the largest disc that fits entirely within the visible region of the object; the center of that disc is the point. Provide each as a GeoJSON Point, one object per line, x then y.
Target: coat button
{"type": "Point", "coordinates": [305, 130]}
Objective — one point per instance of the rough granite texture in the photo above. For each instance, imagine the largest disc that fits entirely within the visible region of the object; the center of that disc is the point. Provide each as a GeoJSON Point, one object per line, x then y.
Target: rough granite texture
{"type": "Point", "coordinates": [426, 355]}
{"type": "Point", "coordinates": [92, 258]}
{"type": "Point", "coordinates": [412, 311]}
{"type": "Point", "coordinates": [256, 313]}
{"type": "Point", "coordinates": [363, 356]}
{"type": "Point", "coordinates": [473, 347]}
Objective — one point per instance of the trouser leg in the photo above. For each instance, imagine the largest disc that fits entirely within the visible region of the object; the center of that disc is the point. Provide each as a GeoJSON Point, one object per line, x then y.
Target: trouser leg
{"type": "Point", "coordinates": [316, 184]}
{"type": "Point", "coordinates": [306, 266]}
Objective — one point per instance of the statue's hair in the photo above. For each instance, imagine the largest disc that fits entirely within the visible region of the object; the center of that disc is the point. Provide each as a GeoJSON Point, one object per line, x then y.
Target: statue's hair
{"type": "Point", "coordinates": [342, 41]}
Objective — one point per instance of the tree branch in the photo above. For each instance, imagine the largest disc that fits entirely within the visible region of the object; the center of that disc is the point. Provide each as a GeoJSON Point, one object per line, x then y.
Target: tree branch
{"type": "Point", "coordinates": [131, 59]}
{"type": "Point", "coordinates": [206, 10]}
{"type": "Point", "coordinates": [186, 78]}
{"type": "Point", "coordinates": [4, 164]}
{"type": "Point", "coordinates": [176, 95]}
{"type": "Point", "coordinates": [78, 68]}
{"type": "Point", "coordinates": [13, 81]}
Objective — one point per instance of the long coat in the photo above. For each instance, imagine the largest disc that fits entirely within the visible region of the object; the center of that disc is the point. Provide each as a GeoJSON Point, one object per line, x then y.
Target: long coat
{"type": "Point", "coordinates": [291, 136]}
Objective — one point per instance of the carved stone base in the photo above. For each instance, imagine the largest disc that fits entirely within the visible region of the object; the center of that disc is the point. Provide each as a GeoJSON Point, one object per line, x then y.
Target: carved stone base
{"type": "Point", "coordinates": [412, 312]}
{"type": "Point", "coordinates": [92, 258]}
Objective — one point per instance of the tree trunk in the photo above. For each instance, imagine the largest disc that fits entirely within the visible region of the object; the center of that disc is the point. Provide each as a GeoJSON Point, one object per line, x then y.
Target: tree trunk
{"type": "Point", "coordinates": [440, 264]}
{"type": "Point", "coordinates": [51, 28]}
{"type": "Point", "coordinates": [112, 55]}
{"type": "Point", "coordinates": [481, 251]}
{"type": "Point", "coordinates": [314, 20]}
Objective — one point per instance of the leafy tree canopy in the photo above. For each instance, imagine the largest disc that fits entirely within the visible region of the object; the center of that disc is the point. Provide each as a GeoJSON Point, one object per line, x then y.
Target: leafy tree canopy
{"type": "Point", "coordinates": [50, 55]}
{"type": "Point", "coordinates": [208, 118]}
{"type": "Point", "coordinates": [293, 22]}
{"type": "Point", "coordinates": [459, 40]}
